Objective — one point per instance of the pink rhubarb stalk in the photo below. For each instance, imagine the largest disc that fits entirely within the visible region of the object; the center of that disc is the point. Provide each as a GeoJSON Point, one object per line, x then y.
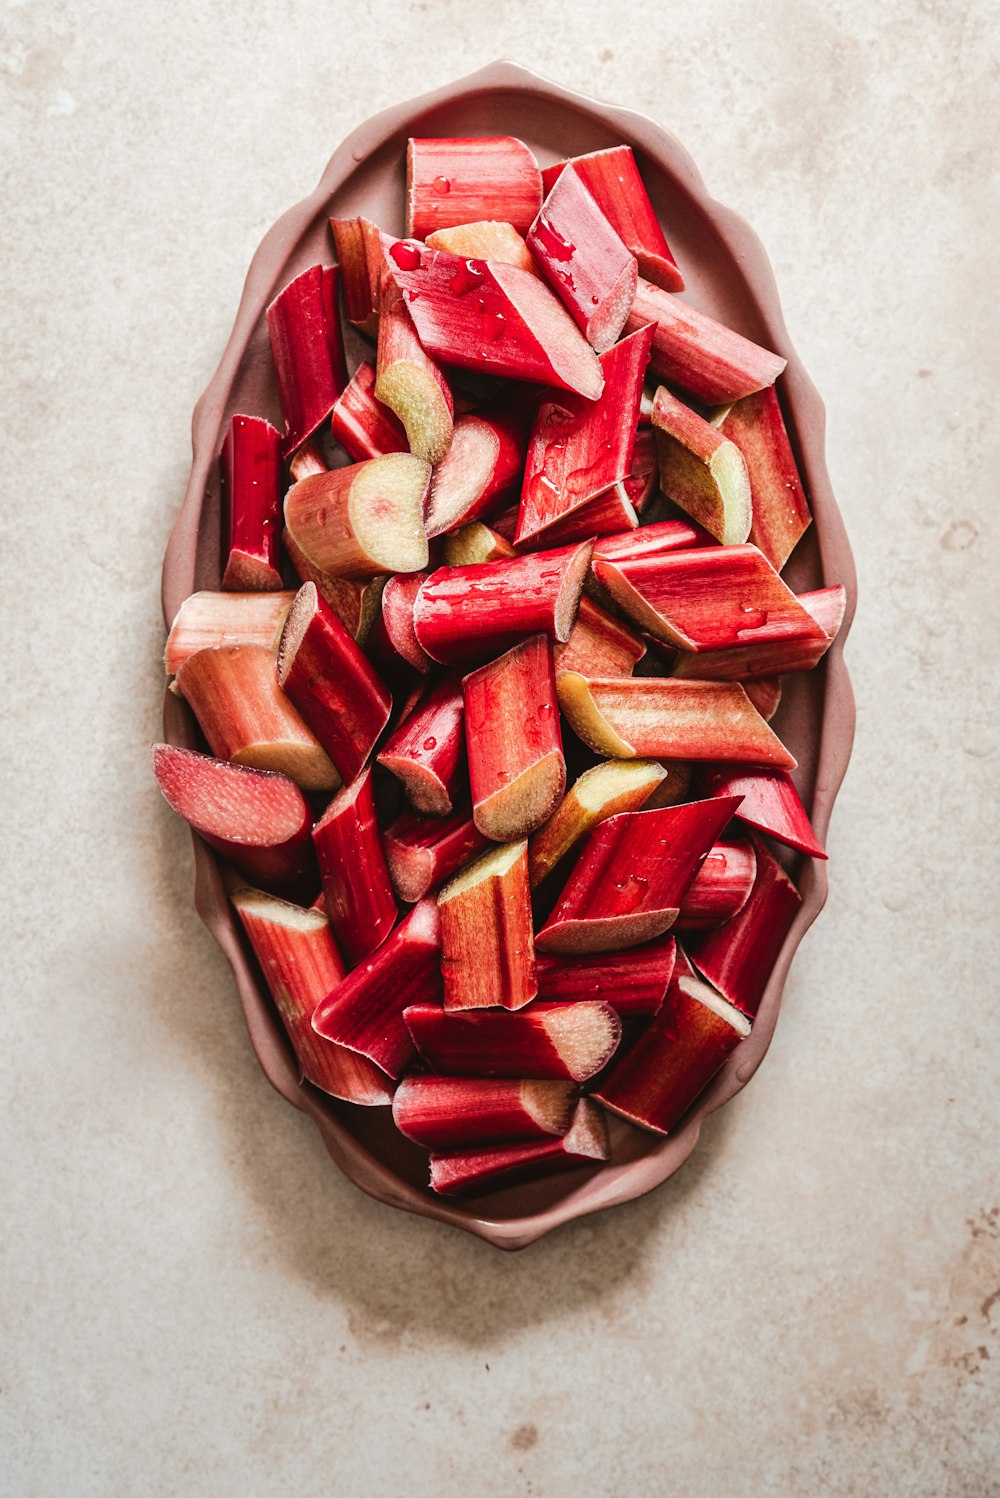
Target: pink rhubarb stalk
{"type": "Point", "coordinates": [599, 644]}
{"type": "Point", "coordinates": [361, 260]}
{"type": "Point", "coordinates": [605, 790]}
{"type": "Point", "coordinates": [393, 641]}
{"type": "Point", "coordinates": [308, 350]}
{"type": "Point", "coordinates": [422, 852]}
{"type": "Point", "coordinates": [427, 750]}
{"type": "Point", "coordinates": [408, 380]}
{"type": "Point", "coordinates": [557, 1042]}
{"type": "Point", "coordinates": [364, 427]}
{"type": "Point", "coordinates": [476, 1171]}
{"type": "Point", "coordinates": [721, 886]}
{"type": "Point", "coordinates": [482, 465]}
{"type": "Point", "coordinates": [701, 470]}
{"type": "Point", "coordinates": [207, 620]}
{"type": "Point", "coordinates": [766, 658]}
{"type": "Point", "coordinates": [692, 350]}
{"type": "Point", "coordinates": [633, 982]}
{"type": "Point", "coordinates": [449, 1113]}
{"type": "Point", "coordinates": [356, 885]}
{"type": "Point", "coordinates": [770, 803]}
{"type": "Point", "coordinates": [355, 601]}
{"type": "Point", "coordinates": [454, 180]}
{"type": "Point", "coordinates": [362, 520]}
{"type": "Point", "coordinates": [251, 494]}
{"type": "Point", "coordinates": [487, 946]}
{"type": "Point", "coordinates": [780, 510]}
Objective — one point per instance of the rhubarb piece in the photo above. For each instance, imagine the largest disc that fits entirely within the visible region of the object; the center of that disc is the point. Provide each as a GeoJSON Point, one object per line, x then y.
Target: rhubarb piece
{"type": "Point", "coordinates": [579, 448]}
{"type": "Point", "coordinates": [505, 524]}
{"type": "Point", "coordinates": [599, 644]}
{"type": "Point", "coordinates": [422, 852]}
{"type": "Point", "coordinates": [365, 1010]}
{"type": "Point", "coordinates": [332, 683]}
{"type": "Point", "coordinates": [355, 601]}
{"type": "Point", "coordinates": [738, 957]}
{"type": "Point", "coordinates": [692, 350]}
{"type": "Point", "coordinates": [634, 982]}
{"type": "Point", "coordinates": [649, 717]}
{"type": "Point", "coordinates": [358, 244]}
{"type": "Point", "coordinates": [483, 314]}
{"type": "Point", "coordinates": [427, 750]}
{"type": "Point", "coordinates": [674, 787]}
{"type": "Point", "coordinates": [475, 543]}
{"type": "Point", "coordinates": [452, 181]}
{"type": "Point", "coordinates": [364, 427]}
{"type": "Point", "coordinates": [409, 382]}
{"type": "Point", "coordinates": [476, 1171]}
{"type": "Point", "coordinates": [487, 945]}
{"type": "Point", "coordinates": [658, 1079]}
{"type": "Point", "coordinates": [710, 598]}
{"type": "Point", "coordinates": [557, 1042]}
{"type": "Point", "coordinates": [604, 791]}
{"type": "Point", "coordinates": [604, 515]}
{"type": "Point", "coordinates": [770, 803]}
{"type": "Point", "coordinates": [642, 482]}
{"type": "Point", "coordinates": [308, 351]}
{"type": "Point", "coordinates": [584, 261]}
{"type": "Point", "coordinates": [516, 767]}
{"type": "Point", "coordinates": [765, 695]}
{"type": "Point", "coordinates": [245, 716]}
{"type": "Point", "coordinates": [356, 886]}
{"type": "Point", "coordinates": [300, 963]}
{"type": "Point", "coordinates": [490, 239]}
{"type": "Point", "coordinates": [394, 638]}
{"type": "Point", "coordinates": [701, 470]}
{"type": "Point", "coordinates": [629, 881]}
{"type": "Point", "coordinates": [251, 495]}
{"type": "Point", "coordinates": [463, 614]}
{"type": "Point", "coordinates": [780, 511]}
{"type": "Point", "coordinates": [661, 539]}
{"type": "Point", "coordinates": [206, 620]}
{"type": "Point", "coordinates": [613, 179]}
{"type": "Point", "coordinates": [765, 657]}
{"type": "Point", "coordinates": [484, 461]}
{"type": "Point", "coordinates": [310, 458]}
{"type": "Point", "coordinates": [259, 821]}
{"type": "Point", "coordinates": [445, 1113]}
{"type": "Point", "coordinates": [362, 520]}
{"type": "Point", "coordinates": [721, 886]}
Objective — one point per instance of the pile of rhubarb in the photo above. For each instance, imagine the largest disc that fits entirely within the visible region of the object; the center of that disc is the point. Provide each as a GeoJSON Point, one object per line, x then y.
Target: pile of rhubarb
{"type": "Point", "coordinates": [486, 684]}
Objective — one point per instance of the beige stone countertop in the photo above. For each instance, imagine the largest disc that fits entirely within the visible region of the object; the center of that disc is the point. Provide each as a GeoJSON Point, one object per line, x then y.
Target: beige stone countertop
{"type": "Point", "coordinates": [193, 1301]}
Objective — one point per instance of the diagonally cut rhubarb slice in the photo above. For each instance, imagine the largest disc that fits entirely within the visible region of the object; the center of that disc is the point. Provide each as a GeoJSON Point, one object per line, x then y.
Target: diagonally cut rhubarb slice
{"type": "Point", "coordinates": [365, 1010]}
{"type": "Point", "coordinates": [475, 543]}
{"type": "Point", "coordinates": [517, 772]}
{"type": "Point", "coordinates": [206, 620]}
{"type": "Point", "coordinates": [601, 792]}
{"type": "Point", "coordinates": [489, 239]}
{"type": "Point", "coordinates": [599, 644]}
{"type": "Point", "coordinates": [633, 982]}
{"type": "Point", "coordinates": [427, 750]}
{"type": "Point", "coordinates": [328, 677]}
{"type": "Point", "coordinates": [409, 382]}
{"type": "Point", "coordinates": [364, 427]}
{"type": "Point", "coordinates": [453, 180]}
{"type": "Point", "coordinates": [251, 494]}
{"type": "Point", "coordinates": [658, 539]}
{"type": "Point", "coordinates": [362, 520]}
{"type": "Point", "coordinates": [770, 803]}
{"type": "Point", "coordinates": [477, 1171]}
{"type": "Point", "coordinates": [482, 465]}
{"type": "Point", "coordinates": [486, 315]}
{"type": "Point", "coordinates": [356, 887]}
{"type": "Point", "coordinates": [604, 515]}
{"type": "Point", "coordinates": [625, 717]}
{"type": "Point", "coordinates": [766, 658]}
{"type": "Point", "coordinates": [557, 1042]}
{"type": "Point", "coordinates": [355, 601]}
{"type": "Point", "coordinates": [309, 458]}
{"type": "Point", "coordinates": [300, 963]}
{"type": "Point", "coordinates": [393, 642]}
{"type": "Point", "coordinates": [780, 511]}
{"type": "Point", "coordinates": [449, 1113]}
{"type": "Point", "coordinates": [701, 470]}
{"type": "Point", "coordinates": [361, 260]}
{"type": "Point", "coordinates": [422, 852]}
{"type": "Point", "coordinates": [613, 178]}
{"type": "Point", "coordinates": [629, 881]}
{"type": "Point", "coordinates": [642, 483]}
{"type": "Point", "coordinates": [765, 695]}
{"type": "Point", "coordinates": [259, 821]}
{"type": "Point", "coordinates": [308, 351]}
{"type": "Point", "coordinates": [487, 945]}
{"type": "Point", "coordinates": [721, 886]}
{"type": "Point", "coordinates": [692, 350]}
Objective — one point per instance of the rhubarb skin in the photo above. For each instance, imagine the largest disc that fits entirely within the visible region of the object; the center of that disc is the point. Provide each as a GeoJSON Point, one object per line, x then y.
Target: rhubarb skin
{"type": "Point", "coordinates": [765, 695]}
{"type": "Point", "coordinates": [408, 380]}
{"type": "Point", "coordinates": [356, 602]}
{"type": "Point", "coordinates": [422, 852]}
{"type": "Point", "coordinates": [475, 543]}
{"type": "Point", "coordinates": [766, 658]}
{"type": "Point", "coordinates": [780, 509]}
{"type": "Point", "coordinates": [251, 493]}
{"type": "Point", "coordinates": [675, 785]}
{"type": "Point", "coordinates": [358, 244]}
{"type": "Point", "coordinates": [363, 520]}
{"type": "Point", "coordinates": [584, 260]}
{"type": "Point", "coordinates": [258, 820]}
{"type": "Point", "coordinates": [427, 750]}
{"type": "Point", "coordinates": [309, 458]}
{"type": "Point", "coordinates": [629, 881]}
{"type": "Point", "coordinates": [604, 791]}
{"type": "Point", "coordinates": [660, 539]}
{"type": "Point", "coordinates": [356, 885]}
{"type": "Point", "coordinates": [599, 644]}
{"type": "Point", "coordinates": [453, 180]}
{"type": "Point", "coordinates": [721, 887]}
{"type": "Point", "coordinates": [701, 470]}
{"type": "Point", "coordinates": [245, 716]}
{"type": "Point", "coordinates": [393, 641]}
{"type": "Point", "coordinates": [328, 677]}
{"type": "Point", "coordinates": [669, 1067]}
{"type": "Point", "coordinates": [365, 1011]}
{"type": "Point", "coordinates": [300, 963]}
{"type": "Point", "coordinates": [770, 804]}
{"type": "Point", "coordinates": [482, 465]}
{"type": "Point", "coordinates": [447, 1113]}
{"type": "Point", "coordinates": [547, 1042]}
{"type": "Point", "coordinates": [612, 177]}
{"type": "Point", "coordinates": [466, 614]}
{"type": "Point", "coordinates": [517, 772]}
{"type": "Point", "coordinates": [487, 943]}
{"type": "Point", "coordinates": [698, 354]}
{"type": "Point", "coordinates": [633, 982]}
{"type": "Point", "coordinates": [606, 514]}
{"type": "Point", "coordinates": [206, 620]}
{"type": "Point", "coordinates": [308, 351]}
{"type": "Point", "coordinates": [486, 315]}
{"type": "Point", "coordinates": [364, 427]}
{"type": "Point", "coordinates": [475, 1171]}
{"type": "Point", "coordinates": [649, 717]}
{"type": "Point", "coordinates": [642, 482]}
{"type": "Point", "coordinates": [580, 448]}
{"type": "Point", "coordinates": [489, 239]}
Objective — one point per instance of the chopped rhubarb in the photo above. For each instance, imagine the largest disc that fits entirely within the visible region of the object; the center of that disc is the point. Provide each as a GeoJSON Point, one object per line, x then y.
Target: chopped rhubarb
{"type": "Point", "coordinates": [394, 640]}
{"type": "Point", "coordinates": [358, 244]}
{"type": "Point", "coordinates": [675, 785]}
{"type": "Point", "coordinates": [309, 458]}
{"type": "Point", "coordinates": [422, 852]}
{"type": "Point", "coordinates": [487, 945]}
{"type": "Point", "coordinates": [599, 644]}
{"type": "Point", "coordinates": [356, 886]}
{"type": "Point", "coordinates": [490, 239]}
{"type": "Point", "coordinates": [451, 180]}
{"type": "Point", "coordinates": [642, 482]}
{"type": "Point", "coordinates": [558, 1042]}
{"type": "Point", "coordinates": [770, 803]}
{"type": "Point", "coordinates": [206, 620]}
{"type": "Point", "coordinates": [692, 350]}
{"type": "Point", "coordinates": [362, 520]}
{"type": "Point", "coordinates": [355, 601]}
{"type": "Point", "coordinates": [482, 465]}
{"type": "Point", "coordinates": [765, 695]}
{"type": "Point", "coordinates": [408, 380]}
{"type": "Point", "coordinates": [606, 514]}
{"type": "Point", "coordinates": [633, 982]}
{"type": "Point", "coordinates": [721, 886]}
{"type": "Point", "coordinates": [766, 658]}
{"type": "Point", "coordinates": [364, 427]}
{"type": "Point", "coordinates": [251, 494]}
{"type": "Point", "coordinates": [475, 543]}
{"type": "Point", "coordinates": [476, 1171]}
{"type": "Point", "coordinates": [308, 351]}
{"type": "Point", "coordinates": [701, 470]}
{"type": "Point", "coordinates": [659, 539]}
{"type": "Point", "coordinates": [780, 511]}
{"type": "Point", "coordinates": [449, 1113]}
{"type": "Point", "coordinates": [427, 750]}
{"type": "Point", "coordinates": [604, 791]}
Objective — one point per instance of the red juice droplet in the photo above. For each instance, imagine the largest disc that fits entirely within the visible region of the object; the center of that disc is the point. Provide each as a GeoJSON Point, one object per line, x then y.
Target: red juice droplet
{"type": "Point", "coordinates": [406, 256]}
{"type": "Point", "coordinates": [552, 242]}
{"type": "Point", "coordinates": [441, 184]}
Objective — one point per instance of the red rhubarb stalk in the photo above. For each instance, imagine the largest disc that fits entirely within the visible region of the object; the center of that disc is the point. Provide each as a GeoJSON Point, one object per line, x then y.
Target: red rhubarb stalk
{"type": "Point", "coordinates": [701, 470]}
{"type": "Point", "coordinates": [489, 239]}
{"type": "Point", "coordinates": [558, 1042]}
{"type": "Point", "coordinates": [477, 1171]}
{"type": "Point", "coordinates": [721, 886]}
{"type": "Point", "coordinates": [482, 465]}
{"type": "Point", "coordinates": [659, 539]}
{"type": "Point", "coordinates": [770, 803]}
{"type": "Point", "coordinates": [408, 380]}
{"type": "Point", "coordinates": [361, 260]}
{"type": "Point", "coordinates": [604, 791]}
{"type": "Point", "coordinates": [393, 641]}
{"type": "Point", "coordinates": [474, 544]}
{"type": "Point", "coordinates": [765, 695]}
{"type": "Point", "coordinates": [207, 620]}
{"type": "Point", "coordinates": [422, 852]}
{"type": "Point", "coordinates": [308, 351]}
{"type": "Point", "coordinates": [642, 482]}
{"type": "Point", "coordinates": [599, 644]}
{"type": "Point", "coordinates": [487, 945]}
{"type": "Point", "coordinates": [356, 886]}
{"type": "Point", "coordinates": [427, 751]}
{"type": "Point", "coordinates": [604, 515]}
{"type": "Point", "coordinates": [309, 458]}
{"type": "Point", "coordinates": [355, 601]}
{"type": "Point", "coordinates": [447, 1113]}
{"type": "Point", "coordinates": [633, 982]}
{"type": "Point", "coordinates": [675, 785]}
{"type": "Point", "coordinates": [453, 180]}
{"type": "Point", "coordinates": [364, 427]}
{"type": "Point", "coordinates": [772, 657]}
{"type": "Point", "coordinates": [251, 494]}
{"type": "Point", "coordinates": [362, 520]}
{"type": "Point", "coordinates": [780, 511]}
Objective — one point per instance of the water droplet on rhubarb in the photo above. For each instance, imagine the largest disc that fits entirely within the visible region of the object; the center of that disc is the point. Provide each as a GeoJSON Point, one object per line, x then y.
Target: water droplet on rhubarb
{"type": "Point", "coordinates": [552, 242]}
{"type": "Point", "coordinates": [467, 278]}
{"type": "Point", "coordinates": [493, 325]}
{"type": "Point", "coordinates": [430, 744]}
{"type": "Point", "coordinates": [406, 256]}
{"type": "Point", "coordinates": [441, 184]}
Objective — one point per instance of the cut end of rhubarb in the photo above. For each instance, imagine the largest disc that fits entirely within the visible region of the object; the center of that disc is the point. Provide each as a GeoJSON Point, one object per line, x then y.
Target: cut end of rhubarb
{"type": "Point", "coordinates": [729, 470]}
{"type": "Point", "coordinates": [585, 1035]}
{"type": "Point", "coordinates": [550, 1104]}
{"type": "Point", "coordinates": [226, 800]}
{"type": "Point", "coordinates": [571, 587]}
{"type": "Point", "coordinates": [308, 765]}
{"type": "Point", "coordinates": [587, 1136]}
{"type": "Point", "coordinates": [303, 611]}
{"type": "Point", "coordinates": [461, 475]}
{"type": "Point", "coordinates": [416, 397]}
{"type": "Point", "coordinates": [387, 508]}
{"type": "Point", "coordinates": [489, 239]}
{"type": "Point", "coordinates": [475, 543]}
{"type": "Point", "coordinates": [610, 934]}
{"type": "Point", "coordinates": [278, 912]}
{"type": "Point", "coordinates": [707, 995]}
{"type": "Point", "coordinates": [493, 865]}
{"type": "Point", "coordinates": [597, 787]}
{"type": "Point", "coordinates": [525, 803]}
{"type": "Point", "coordinates": [585, 718]}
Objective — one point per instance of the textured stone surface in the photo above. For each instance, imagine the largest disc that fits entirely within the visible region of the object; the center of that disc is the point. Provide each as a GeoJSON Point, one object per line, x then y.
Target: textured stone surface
{"type": "Point", "coordinates": [193, 1301]}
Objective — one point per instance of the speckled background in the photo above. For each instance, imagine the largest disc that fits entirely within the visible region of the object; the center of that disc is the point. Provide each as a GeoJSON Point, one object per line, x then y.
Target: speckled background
{"type": "Point", "coordinates": [193, 1302]}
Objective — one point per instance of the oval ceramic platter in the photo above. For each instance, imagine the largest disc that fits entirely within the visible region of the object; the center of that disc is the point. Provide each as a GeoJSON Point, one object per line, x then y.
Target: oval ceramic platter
{"type": "Point", "coordinates": [727, 275]}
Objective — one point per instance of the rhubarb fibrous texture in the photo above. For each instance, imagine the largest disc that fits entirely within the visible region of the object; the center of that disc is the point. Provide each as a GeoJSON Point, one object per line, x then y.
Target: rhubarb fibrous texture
{"type": "Point", "coordinates": [633, 982]}
{"type": "Point", "coordinates": [427, 750]}
{"type": "Point", "coordinates": [475, 543]}
{"type": "Point", "coordinates": [673, 787]}
{"type": "Point", "coordinates": [362, 520]}
{"type": "Point", "coordinates": [309, 458]}
{"type": "Point", "coordinates": [487, 945]}
{"type": "Point", "coordinates": [659, 539]}
{"type": "Point", "coordinates": [452, 1113]}
{"type": "Point", "coordinates": [356, 885]}
{"type": "Point", "coordinates": [251, 495]}
{"type": "Point", "coordinates": [721, 886]}
{"type": "Point", "coordinates": [770, 803]}
{"type": "Point", "coordinates": [355, 601]}
{"type": "Point", "coordinates": [642, 482]}
{"type": "Point", "coordinates": [365, 1010]}
{"type": "Point", "coordinates": [364, 427]}
{"type": "Point", "coordinates": [470, 1172]}
{"type": "Point", "coordinates": [423, 851]}
{"type": "Point", "coordinates": [258, 820]}
{"type": "Point", "coordinates": [517, 772]}
{"type": "Point", "coordinates": [765, 695]}
{"type": "Point", "coordinates": [482, 465]}
{"type": "Point", "coordinates": [408, 380]}
{"type": "Point", "coordinates": [393, 641]}
{"type": "Point", "coordinates": [604, 791]}
{"type": "Point", "coordinates": [557, 1042]}
{"type": "Point", "coordinates": [300, 963]}
{"type": "Point", "coordinates": [764, 657]}
{"type": "Point", "coordinates": [206, 620]}
{"type": "Point", "coordinates": [308, 351]}
{"type": "Point", "coordinates": [599, 644]}
{"type": "Point", "coordinates": [452, 180]}
{"type": "Point", "coordinates": [361, 260]}
{"type": "Point", "coordinates": [780, 509]}
{"type": "Point", "coordinates": [701, 470]}
{"type": "Point", "coordinates": [489, 239]}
